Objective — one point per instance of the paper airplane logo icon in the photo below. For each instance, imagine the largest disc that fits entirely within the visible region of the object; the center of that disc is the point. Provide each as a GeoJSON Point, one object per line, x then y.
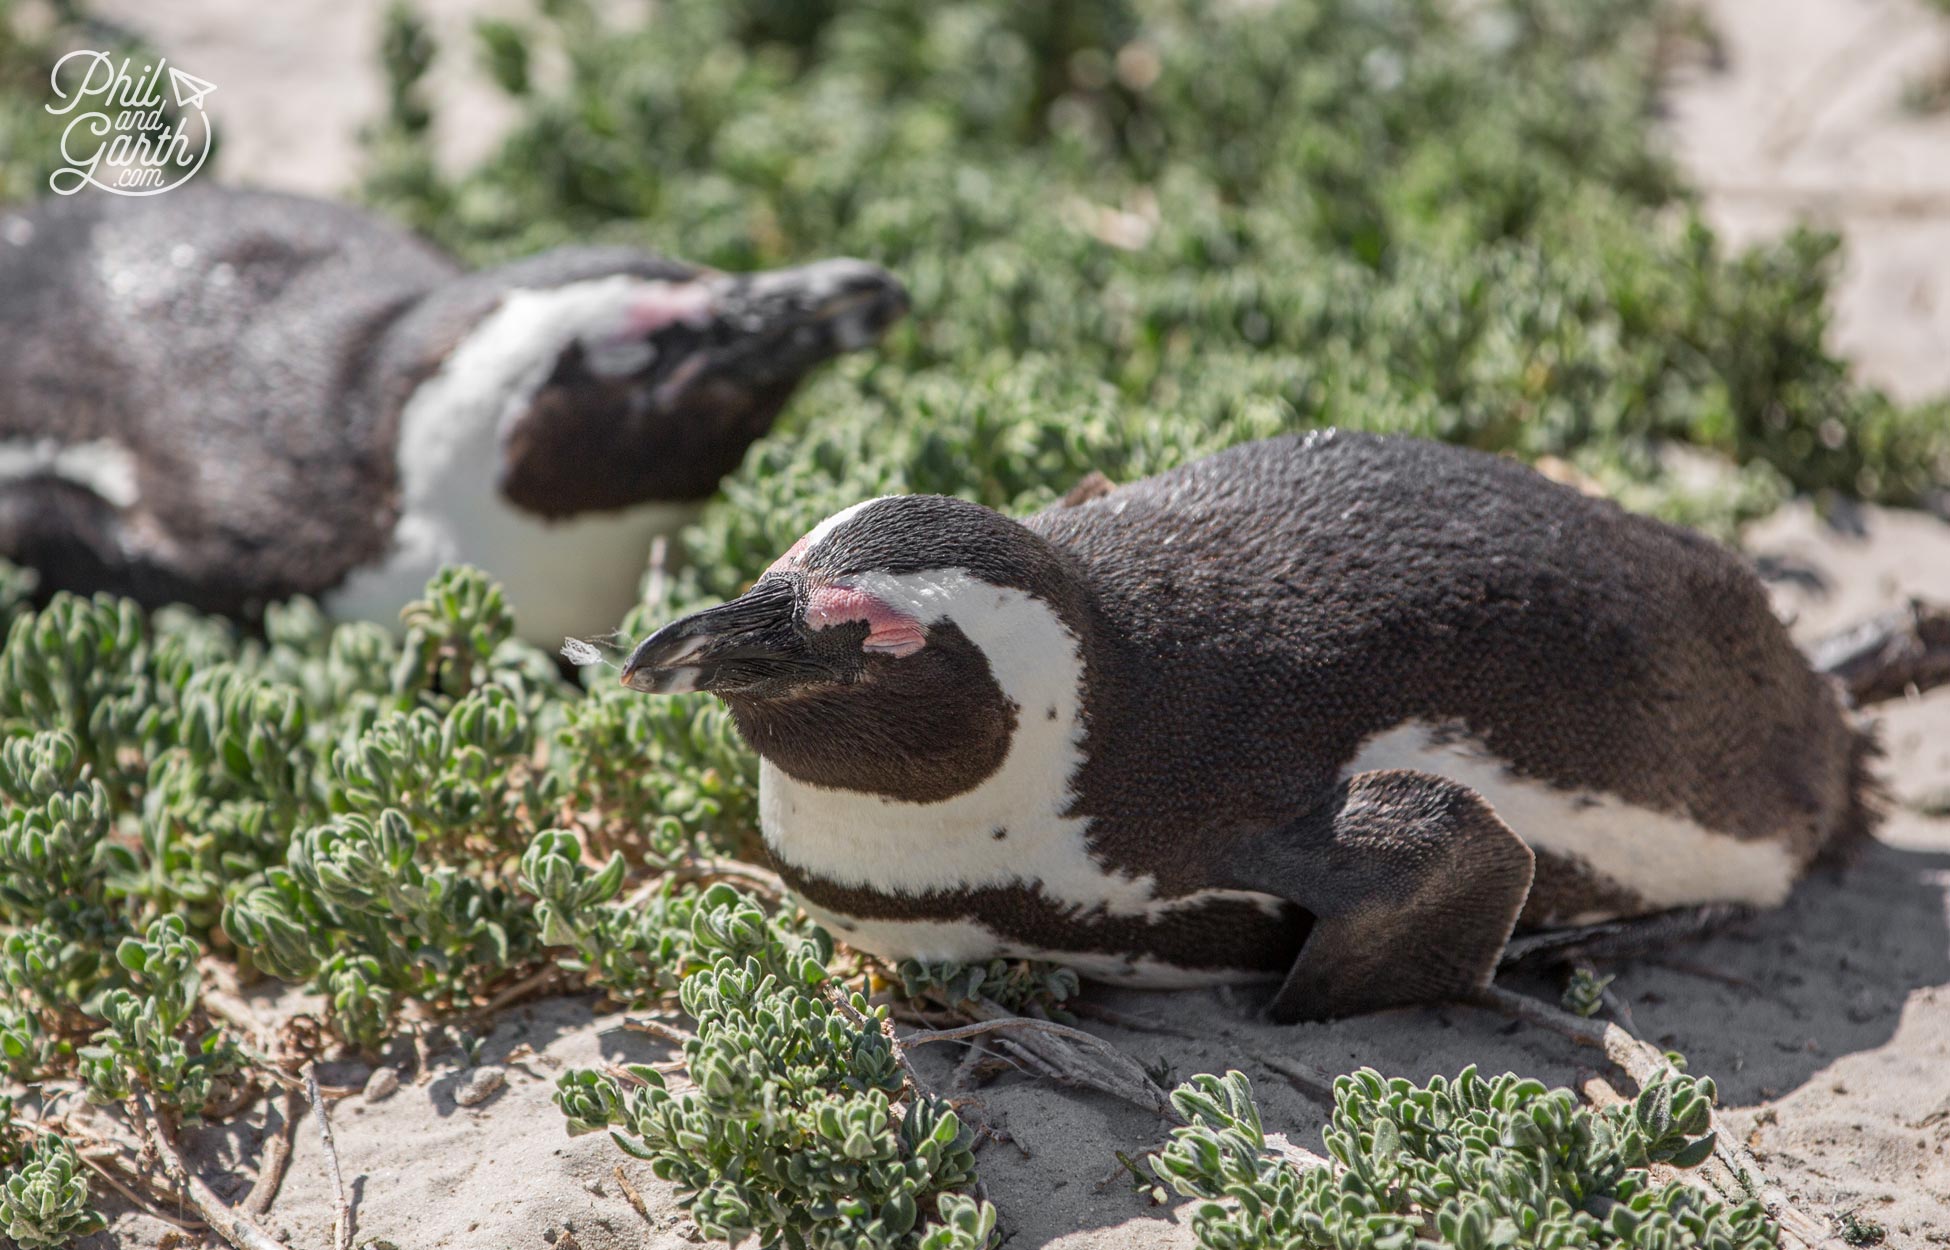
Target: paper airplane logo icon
{"type": "Point", "coordinates": [189, 89]}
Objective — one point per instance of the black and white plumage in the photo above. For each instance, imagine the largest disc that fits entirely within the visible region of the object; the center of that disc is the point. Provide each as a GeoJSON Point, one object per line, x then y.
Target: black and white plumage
{"type": "Point", "coordinates": [225, 398]}
{"type": "Point", "coordinates": [1339, 707]}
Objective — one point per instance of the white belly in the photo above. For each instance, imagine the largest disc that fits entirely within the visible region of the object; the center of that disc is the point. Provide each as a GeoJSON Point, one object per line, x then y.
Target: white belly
{"type": "Point", "coordinates": [1664, 858]}
{"type": "Point", "coordinates": [570, 578]}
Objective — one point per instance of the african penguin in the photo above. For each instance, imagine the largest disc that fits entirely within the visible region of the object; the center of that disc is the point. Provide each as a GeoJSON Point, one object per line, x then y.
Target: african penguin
{"type": "Point", "coordinates": [225, 398]}
{"type": "Point", "coordinates": [1338, 707]}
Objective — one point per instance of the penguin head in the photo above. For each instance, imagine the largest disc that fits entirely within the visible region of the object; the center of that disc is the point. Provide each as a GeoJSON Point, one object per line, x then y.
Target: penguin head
{"type": "Point", "coordinates": [894, 649]}
{"type": "Point", "coordinates": [623, 379]}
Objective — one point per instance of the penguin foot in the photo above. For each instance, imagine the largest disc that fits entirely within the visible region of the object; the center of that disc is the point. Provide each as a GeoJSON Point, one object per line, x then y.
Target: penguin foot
{"type": "Point", "coordinates": [1415, 885]}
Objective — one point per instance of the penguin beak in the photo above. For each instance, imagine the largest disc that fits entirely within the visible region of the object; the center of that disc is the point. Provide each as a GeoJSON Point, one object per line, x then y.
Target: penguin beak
{"type": "Point", "coordinates": [750, 640]}
{"type": "Point", "coordinates": [788, 320]}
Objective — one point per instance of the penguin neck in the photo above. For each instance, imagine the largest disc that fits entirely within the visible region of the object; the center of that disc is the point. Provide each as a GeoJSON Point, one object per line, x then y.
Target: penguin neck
{"type": "Point", "coordinates": [449, 451]}
{"type": "Point", "coordinates": [453, 426]}
{"type": "Point", "coordinates": [1020, 825]}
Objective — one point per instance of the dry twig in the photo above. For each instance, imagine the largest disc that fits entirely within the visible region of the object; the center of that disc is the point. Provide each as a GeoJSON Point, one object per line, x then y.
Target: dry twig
{"type": "Point", "coordinates": [159, 1137]}
{"type": "Point", "coordinates": [277, 1156]}
{"type": "Point", "coordinates": [635, 1198]}
{"type": "Point", "coordinates": [342, 1209]}
{"type": "Point", "coordinates": [534, 985]}
{"type": "Point", "coordinates": [1069, 1056]}
{"type": "Point", "coordinates": [707, 868]}
{"type": "Point", "coordinates": [658, 1029]}
{"type": "Point", "coordinates": [151, 1197]}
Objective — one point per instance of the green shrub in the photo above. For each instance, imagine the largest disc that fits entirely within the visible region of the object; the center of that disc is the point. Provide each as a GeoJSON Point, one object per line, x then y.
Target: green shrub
{"type": "Point", "coordinates": [1139, 232]}
{"type": "Point", "coordinates": [148, 1038]}
{"type": "Point", "coordinates": [1020, 985]}
{"type": "Point", "coordinates": [1481, 1163]}
{"type": "Point", "coordinates": [44, 1202]}
{"type": "Point", "coordinates": [799, 1128]}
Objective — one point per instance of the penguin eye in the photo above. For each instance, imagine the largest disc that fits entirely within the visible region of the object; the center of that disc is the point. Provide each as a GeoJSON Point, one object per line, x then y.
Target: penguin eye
{"type": "Point", "coordinates": [890, 630]}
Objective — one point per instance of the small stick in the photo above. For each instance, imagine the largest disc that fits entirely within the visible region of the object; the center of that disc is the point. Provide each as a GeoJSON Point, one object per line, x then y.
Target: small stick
{"type": "Point", "coordinates": [277, 1156]}
{"type": "Point", "coordinates": [147, 1204]}
{"type": "Point", "coordinates": [1601, 1093]}
{"type": "Point", "coordinates": [342, 1217]}
{"type": "Point", "coordinates": [705, 868]}
{"type": "Point", "coordinates": [529, 985]}
{"type": "Point", "coordinates": [1111, 1072]}
{"type": "Point", "coordinates": [159, 1136]}
{"type": "Point", "coordinates": [657, 1028]}
{"type": "Point", "coordinates": [635, 1198]}
{"type": "Point", "coordinates": [1027, 1060]}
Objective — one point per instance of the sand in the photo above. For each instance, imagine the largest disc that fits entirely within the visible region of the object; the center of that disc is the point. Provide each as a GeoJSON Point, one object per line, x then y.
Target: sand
{"type": "Point", "coordinates": [1826, 1024]}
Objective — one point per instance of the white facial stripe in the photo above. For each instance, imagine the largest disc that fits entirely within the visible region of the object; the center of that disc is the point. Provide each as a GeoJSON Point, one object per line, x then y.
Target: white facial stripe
{"type": "Point", "coordinates": [824, 530]}
{"type": "Point", "coordinates": [102, 466]}
{"type": "Point", "coordinates": [575, 576]}
{"type": "Point", "coordinates": [1666, 859]}
{"type": "Point", "coordinates": [900, 847]}
{"type": "Point", "coordinates": [490, 378]}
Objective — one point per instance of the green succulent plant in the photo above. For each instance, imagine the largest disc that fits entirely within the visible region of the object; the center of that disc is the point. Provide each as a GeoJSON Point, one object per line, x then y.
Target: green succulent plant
{"type": "Point", "coordinates": [1020, 985]}
{"type": "Point", "coordinates": [799, 1127]}
{"type": "Point", "coordinates": [1480, 1162]}
{"type": "Point", "coordinates": [44, 1201]}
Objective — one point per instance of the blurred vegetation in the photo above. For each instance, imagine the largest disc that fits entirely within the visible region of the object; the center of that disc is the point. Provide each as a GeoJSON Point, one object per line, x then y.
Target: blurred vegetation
{"type": "Point", "coordinates": [1140, 230]}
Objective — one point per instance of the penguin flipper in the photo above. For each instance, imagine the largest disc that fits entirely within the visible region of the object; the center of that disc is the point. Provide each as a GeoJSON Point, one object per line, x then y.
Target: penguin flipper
{"type": "Point", "coordinates": [1415, 885]}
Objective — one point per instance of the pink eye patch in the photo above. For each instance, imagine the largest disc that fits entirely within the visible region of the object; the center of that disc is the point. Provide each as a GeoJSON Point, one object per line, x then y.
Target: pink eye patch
{"type": "Point", "coordinates": [890, 631]}
{"type": "Point", "coordinates": [666, 304]}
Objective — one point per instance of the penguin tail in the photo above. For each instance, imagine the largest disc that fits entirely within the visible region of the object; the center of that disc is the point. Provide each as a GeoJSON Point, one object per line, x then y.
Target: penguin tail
{"type": "Point", "coordinates": [1864, 804]}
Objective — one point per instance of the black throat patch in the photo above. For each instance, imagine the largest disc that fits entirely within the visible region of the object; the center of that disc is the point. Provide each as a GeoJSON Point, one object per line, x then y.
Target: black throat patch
{"type": "Point", "coordinates": [942, 730]}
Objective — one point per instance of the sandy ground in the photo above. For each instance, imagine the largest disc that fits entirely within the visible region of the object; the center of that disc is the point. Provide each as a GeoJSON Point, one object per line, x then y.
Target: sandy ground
{"type": "Point", "coordinates": [1826, 1024]}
